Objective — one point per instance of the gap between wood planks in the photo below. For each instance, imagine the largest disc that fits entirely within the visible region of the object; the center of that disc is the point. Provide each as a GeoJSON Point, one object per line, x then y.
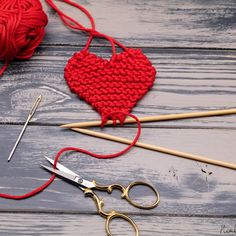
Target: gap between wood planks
{"type": "Point", "coordinates": [106, 46]}
{"type": "Point", "coordinates": [58, 212]}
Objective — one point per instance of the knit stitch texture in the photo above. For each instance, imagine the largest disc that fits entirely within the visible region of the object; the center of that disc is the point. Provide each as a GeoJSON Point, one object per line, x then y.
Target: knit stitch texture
{"type": "Point", "coordinates": [110, 86]}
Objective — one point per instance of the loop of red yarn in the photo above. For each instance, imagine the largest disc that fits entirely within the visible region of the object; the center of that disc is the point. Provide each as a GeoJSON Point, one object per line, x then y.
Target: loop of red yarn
{"type": "Point", "coordinates": [76, 25]}
{"type": "Point", "coordinates": [22, 26]}
{"type": "Point", "coordinates": [130, 67]}
{"type": "Point", "coordinates": [99, 156]}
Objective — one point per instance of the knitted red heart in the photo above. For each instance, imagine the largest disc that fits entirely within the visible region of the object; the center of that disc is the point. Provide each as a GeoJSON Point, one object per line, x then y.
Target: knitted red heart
{"type": "Point", "coordinates": [111, 85]}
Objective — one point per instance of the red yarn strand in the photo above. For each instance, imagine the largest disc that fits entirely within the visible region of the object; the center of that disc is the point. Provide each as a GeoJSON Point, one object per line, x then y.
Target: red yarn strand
{"type": "Point", "coordinates": [4, 67]}
{"type": "Point", "coordinates": [76, 25]}
{"type": "Point", "coordinates": [66, 149]}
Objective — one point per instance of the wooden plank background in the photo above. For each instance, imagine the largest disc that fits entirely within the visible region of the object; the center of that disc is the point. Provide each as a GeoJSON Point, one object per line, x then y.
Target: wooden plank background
{"type": "Point", "coordinates": [192, 45]}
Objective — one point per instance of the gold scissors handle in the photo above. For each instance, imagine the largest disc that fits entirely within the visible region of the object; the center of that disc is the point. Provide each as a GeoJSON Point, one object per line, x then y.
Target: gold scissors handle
{"type": "Point", "coordinates": [109, 215]}
{"type": "Point", "coordinates": [125, 192]}
{"type": "Point", "coordinates": [125, 195]}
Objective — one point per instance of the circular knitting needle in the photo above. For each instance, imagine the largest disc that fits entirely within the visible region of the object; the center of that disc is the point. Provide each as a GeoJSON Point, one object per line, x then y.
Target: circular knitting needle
{"type": "Point", "coordinates": [32, 111]}
{"type": "Point", "coordinates": [156, 118]}
{"type": "Point", "coordinates": [157, 148]}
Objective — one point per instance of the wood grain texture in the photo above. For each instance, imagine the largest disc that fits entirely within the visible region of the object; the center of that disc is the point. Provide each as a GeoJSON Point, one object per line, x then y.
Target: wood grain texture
{"type": "Point", "coordinates": [192, 45]}
{"type": "Point", "coordinates": [152, 23]}
{"type": "Point", "coordinates": [187, 81]}
{"type": "Point", "coordinates": [87, 225]}
{"type": "Point", "coordinates": [186, 187]}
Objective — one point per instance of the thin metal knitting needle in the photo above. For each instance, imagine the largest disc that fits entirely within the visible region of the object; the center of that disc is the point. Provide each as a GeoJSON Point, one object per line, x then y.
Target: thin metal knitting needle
{"type": "Point", "coordinates": [32, 111]}
{"type": "Point", "coordinates": [157, 148]}
{"type": "Point", "coordinates": [156, 118]}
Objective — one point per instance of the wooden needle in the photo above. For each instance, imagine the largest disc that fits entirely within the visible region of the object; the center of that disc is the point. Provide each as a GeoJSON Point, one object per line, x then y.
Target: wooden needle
{"type": "Point", "coordinates": [157, 148]}
{"type": "Point", "coordinates": [156, 118]}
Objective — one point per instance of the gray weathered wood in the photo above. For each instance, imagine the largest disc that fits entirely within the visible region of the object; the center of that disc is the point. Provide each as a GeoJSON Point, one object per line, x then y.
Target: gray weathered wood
{"type": "Point", "coordinates": [196, 199]}
{"type": "Point", "coordinates": [187, 81]}
{"type": "Point", "coordinates": [186, 187]}
{"type": "Point", "coordinates": [87, 225]}
{"type": "Point", "coordinates": [152, 23]}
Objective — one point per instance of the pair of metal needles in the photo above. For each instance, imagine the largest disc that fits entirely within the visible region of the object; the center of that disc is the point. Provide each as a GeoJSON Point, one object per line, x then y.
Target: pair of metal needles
{"type": "Point", "coordinates": [31, 113]}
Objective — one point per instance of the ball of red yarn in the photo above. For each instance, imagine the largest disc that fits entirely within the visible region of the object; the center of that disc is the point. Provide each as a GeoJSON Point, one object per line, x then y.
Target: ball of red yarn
{"type": "Point", "coordinates": [22, 24]}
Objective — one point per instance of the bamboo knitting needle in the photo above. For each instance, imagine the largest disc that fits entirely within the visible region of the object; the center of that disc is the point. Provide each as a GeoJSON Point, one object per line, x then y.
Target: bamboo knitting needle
{"type": "Point", "coordinates": [157, 148]}
{"type": "Point", "coordinates": [156, 118]}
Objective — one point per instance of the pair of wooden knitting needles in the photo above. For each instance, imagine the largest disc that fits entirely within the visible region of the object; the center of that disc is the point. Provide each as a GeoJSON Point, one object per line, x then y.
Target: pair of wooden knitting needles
{"type": "Point", "coordinates": [79, 127]}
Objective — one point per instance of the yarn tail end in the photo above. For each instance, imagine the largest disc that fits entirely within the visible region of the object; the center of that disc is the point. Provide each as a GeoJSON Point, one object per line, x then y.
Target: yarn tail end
{"type": "Point", "coordinates": [117, 116]}
{"type": "Point", "coordinates": [4, 67]}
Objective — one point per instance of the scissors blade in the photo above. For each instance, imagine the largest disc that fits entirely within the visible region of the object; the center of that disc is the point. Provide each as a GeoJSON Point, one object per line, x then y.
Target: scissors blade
{"type": "Point", "coordinates": [61, 167]}
{"type": "Point", "coordinates": [82, 183]}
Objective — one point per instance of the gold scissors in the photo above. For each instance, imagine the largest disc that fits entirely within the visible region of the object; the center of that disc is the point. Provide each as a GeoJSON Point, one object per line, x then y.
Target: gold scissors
{"type": "Point", "coordinates": [88, 186]}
